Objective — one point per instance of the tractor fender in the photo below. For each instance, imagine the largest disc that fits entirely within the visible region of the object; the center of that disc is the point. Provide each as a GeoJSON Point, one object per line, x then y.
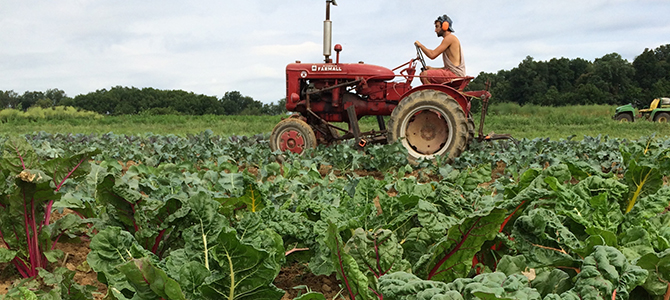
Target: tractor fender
{"type": "Point", "coordinates": [458, 96]}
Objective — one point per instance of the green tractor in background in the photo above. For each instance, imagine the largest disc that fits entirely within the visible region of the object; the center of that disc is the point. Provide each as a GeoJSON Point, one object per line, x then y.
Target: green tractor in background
{"type": "Point", "coordinates": [658, 111]}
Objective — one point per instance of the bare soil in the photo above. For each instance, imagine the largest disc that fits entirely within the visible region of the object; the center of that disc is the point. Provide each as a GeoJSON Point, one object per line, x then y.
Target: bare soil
{"type": "Point", "coordinates": [296, 279]}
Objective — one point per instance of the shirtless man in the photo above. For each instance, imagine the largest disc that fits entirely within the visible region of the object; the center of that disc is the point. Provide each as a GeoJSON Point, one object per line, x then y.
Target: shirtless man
{"type": "Point", "coordinates": [450, 48]}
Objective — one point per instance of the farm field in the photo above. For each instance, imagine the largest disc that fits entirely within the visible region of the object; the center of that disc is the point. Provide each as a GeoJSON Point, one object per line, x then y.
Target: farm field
{"type": "Point", "coordinates": [99, 207]}
{"type": "Point", "coordinates": [522, 122]}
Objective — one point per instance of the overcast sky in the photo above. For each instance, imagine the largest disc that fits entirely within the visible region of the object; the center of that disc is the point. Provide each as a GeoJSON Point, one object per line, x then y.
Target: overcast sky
{"type": "Point", "coordinates": [214, 46]}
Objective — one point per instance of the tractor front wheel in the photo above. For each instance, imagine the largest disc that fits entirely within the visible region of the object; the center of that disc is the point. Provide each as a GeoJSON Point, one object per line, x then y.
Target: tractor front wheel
{"type": "Point", "coordinates": [662, 117]}
{"type": "Point", "coordinates": [625, 117]}
{"type": "Point", "coordinates": [429, 123]}
{"type": "Point", "coordinates": [292, 134]}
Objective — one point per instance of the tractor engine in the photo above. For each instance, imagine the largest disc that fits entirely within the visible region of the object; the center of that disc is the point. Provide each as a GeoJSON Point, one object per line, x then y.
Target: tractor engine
{"type": "Point", "coordinates": [328, 89]}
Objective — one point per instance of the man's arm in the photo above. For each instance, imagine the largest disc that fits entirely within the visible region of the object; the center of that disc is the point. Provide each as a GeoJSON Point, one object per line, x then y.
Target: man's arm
{"type": "Point", "coordinates": [432, 54]}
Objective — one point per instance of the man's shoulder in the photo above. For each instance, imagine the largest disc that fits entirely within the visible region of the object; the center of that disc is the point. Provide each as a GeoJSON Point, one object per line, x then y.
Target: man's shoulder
{"type": "Point", "coordinates": [453, 37]}
{"type": "Point", "coordinates": [450, 38]}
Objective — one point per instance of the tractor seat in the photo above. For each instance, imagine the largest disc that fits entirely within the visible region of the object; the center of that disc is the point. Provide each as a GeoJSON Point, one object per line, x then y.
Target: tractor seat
{"type": "Point", "coordinates": [458, 83]}
{"type": "Point", "coordinates": [652, 106]}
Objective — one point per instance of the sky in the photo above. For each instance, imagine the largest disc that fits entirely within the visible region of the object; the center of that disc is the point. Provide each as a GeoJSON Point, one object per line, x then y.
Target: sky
{"type": "Point", "coordinates": [212, 47]}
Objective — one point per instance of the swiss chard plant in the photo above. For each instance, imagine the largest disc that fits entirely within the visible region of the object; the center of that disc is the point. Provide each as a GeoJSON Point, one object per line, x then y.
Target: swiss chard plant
{"type": "Point", "coordinates": [214, 262]}
{"type": "Point", "coordinates": [606, 274]}
{"type": "Point", "coordinates": [646, 165]}
{"type": "Point", "coordinates": [30, 187]}
{"type": "Point", "coordinates": [56, 285]}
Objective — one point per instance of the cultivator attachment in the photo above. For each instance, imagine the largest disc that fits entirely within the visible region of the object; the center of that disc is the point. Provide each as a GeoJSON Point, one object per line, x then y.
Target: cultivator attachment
{"type": "Point", "coordinates": [485, 96]}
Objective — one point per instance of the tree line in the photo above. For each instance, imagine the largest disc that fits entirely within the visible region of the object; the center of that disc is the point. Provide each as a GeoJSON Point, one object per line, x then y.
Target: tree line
{"type": "Point", "coordinates": [130, 100]}
{"type": "Point", "coordinates": [560, 81]}
{"type": "Point", "coordinates": [608, 80]}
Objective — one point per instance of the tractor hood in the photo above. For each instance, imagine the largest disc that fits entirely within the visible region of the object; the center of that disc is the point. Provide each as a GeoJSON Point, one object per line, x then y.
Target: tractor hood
{"type": "Point", "coordinates": [339, 71]}
{"type": "Point", "coordinates": [627, 107]}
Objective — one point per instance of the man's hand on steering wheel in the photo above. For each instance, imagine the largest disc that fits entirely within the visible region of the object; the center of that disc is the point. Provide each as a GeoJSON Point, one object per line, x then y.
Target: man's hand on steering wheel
{"type": "Point", "coordinates": [419, 55]}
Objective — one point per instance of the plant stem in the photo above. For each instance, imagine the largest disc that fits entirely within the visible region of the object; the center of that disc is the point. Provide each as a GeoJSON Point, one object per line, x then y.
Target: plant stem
{"type": "Point", "coordinates": [154, 249]}
{"type": "Point", "coordinates": [456, 248]}
{"type": "Point", "coordinates": [295, 250]}
{"type": "Point", "coordinates": [231, 293]}
{"type": "Point", "coordinates": [204, 241]}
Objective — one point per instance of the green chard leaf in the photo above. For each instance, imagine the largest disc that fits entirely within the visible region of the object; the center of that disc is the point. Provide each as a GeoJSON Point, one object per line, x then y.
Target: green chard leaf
{"type": "Point", "coordinates": [241, 271]}
{"type": "Point", "coordinates": [451, 256]}
{"type": "Point", "coordinates": [202, 235]}
{"type": "Point", "coordinates": [648, 207]}
{"type": "Point", "coordinates": [376, 254]}
{"type": "Point", "coordinates": [643, 179]}
{"type": "Point", "coordinates": [18, 155]}
{"type": "Point", "coordinates": [354, 281]}
{"type": "Point", "coordinates": [543, 239]}
{"type": "Point", "coordinates": [603, 272]}
{"type": "Point", "coordinates": [62, 282]}
{"type": "Point", "coordinates": [110, 248]}
{"type": "Point", "coordinates": [551, 281]}
{"type": "Point", "coordinates": [149, 281]}
{"type": "Point", "coordinates": [658, 266]}
{"type": "Point", "coordinates": [406, 286]}
{"type": "Point", "coordinates": [496, 286]}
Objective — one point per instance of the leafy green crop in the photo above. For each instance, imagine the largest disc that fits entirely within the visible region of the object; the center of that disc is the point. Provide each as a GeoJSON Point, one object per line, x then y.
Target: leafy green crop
{"type": "Point", "coordinates": [205, 217]}
{"type": "Point", "coordinates": [29, 189]}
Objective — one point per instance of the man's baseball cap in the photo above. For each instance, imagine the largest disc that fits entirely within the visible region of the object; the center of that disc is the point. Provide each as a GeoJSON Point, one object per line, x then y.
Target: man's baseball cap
{"type": "Point", "coordinates": [445, 18]}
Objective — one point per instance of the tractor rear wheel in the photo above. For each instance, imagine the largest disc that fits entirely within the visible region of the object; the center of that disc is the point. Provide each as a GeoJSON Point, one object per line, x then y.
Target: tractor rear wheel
{"type": "Point", "coordinates": [662, 117]}
{"type": "Point", "coordinates": [625, 117]}
{"type": "Point", "coordinates": [292, 134]}
{"type": "Point", "coordinates": [429, 123]}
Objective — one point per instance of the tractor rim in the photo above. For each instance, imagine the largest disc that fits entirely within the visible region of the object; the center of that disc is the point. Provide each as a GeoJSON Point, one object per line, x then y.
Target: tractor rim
{"type": "Point", "coordinates": [427, 132]}
{"type": "Point", "coordinates": [662, 119]}
{"type": "Point", "coordinates": [291, 140]}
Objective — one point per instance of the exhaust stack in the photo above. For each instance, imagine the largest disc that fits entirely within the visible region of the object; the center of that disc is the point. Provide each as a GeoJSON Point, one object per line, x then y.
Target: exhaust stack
{"type": "Point", "coordinates": [328, 32]}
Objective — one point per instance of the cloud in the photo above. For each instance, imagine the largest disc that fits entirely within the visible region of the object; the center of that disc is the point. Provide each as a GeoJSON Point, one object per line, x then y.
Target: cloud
{"type": "Point", "coordinates": [211, 47]}
{"type": "Point", "coordinates": [284, 51]}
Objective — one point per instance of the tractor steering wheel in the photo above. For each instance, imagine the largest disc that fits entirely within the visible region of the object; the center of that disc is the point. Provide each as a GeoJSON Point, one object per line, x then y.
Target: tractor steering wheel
{"type": "Point", "coordinates": [419, 57]}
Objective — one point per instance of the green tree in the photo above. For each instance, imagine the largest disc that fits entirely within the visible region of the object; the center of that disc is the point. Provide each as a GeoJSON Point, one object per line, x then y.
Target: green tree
{"type": "Point", "coordinates": [526, 83]}
{"type": "Point", "coordinates": [28, 99]}
{"type": "Point", "coordinates": [57, 97]}
{"type": "Point", "coordinates": [277, 109]}
{"type": "Point", "coordinates": [661, 89]}
{"type": "Point", "coordinates": [9, 99]}
{"type": "Point", "coordinates": [234, 103]}
{"type": "Point", "coordinates": [648, 69]}
{"type": "Point", "coordinates": [618, 75]}
{"type": "Point", "coordinates": [590, 94]}
{"type": "Point", "coordinates": [560, 75]}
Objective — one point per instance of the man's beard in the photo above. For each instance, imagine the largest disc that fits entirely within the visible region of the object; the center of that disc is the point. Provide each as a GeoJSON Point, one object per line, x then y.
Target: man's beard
{"type": "Point", "coordinates": [440, 33]}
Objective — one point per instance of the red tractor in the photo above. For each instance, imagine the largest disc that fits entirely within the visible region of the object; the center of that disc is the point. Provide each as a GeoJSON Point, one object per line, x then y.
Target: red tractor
{"type": "Point", "coordinates": [429, 120]}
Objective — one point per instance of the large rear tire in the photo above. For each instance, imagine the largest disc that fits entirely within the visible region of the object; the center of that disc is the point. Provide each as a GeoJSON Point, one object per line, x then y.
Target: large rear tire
{"type": "Point", "coordinates": [429, 123]}
{"type": "Point", "coordinates": [662, 117]}
{"type": "Point", "coordinates": [292, 134]}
